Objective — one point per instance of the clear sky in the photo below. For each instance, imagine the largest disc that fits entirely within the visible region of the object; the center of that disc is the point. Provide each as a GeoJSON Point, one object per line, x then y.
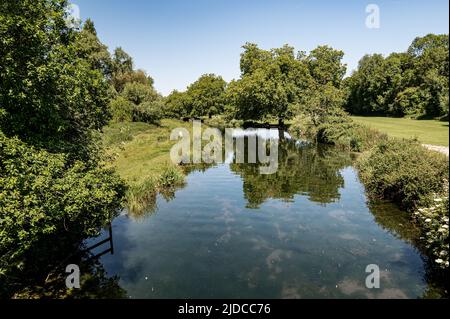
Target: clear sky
{"type": "Point", "coordinates": [177, 41]}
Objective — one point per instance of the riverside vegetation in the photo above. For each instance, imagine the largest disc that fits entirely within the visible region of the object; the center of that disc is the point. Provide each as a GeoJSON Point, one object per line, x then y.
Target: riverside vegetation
{"type": "Point", "coordinates": [83, 134]}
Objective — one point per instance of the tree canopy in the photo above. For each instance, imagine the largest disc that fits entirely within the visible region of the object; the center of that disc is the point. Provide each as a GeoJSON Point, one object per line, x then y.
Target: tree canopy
{"type": "Point", "coordinates": [411, 83]}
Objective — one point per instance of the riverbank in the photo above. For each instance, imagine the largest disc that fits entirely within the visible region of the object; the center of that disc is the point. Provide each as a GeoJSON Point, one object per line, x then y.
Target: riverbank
{"type": "Point", "coordinates": [140, 154]}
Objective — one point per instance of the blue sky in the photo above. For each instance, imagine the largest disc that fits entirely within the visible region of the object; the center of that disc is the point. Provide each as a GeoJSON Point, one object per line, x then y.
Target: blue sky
{"type": "Point", "coordinates": [177, 41]}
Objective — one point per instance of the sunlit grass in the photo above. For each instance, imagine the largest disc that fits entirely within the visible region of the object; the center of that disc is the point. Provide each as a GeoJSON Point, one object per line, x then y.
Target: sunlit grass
{"type": "Point", "coordinates": [426, 131]}
{"type": "Point", "coordinates": [141, 156]}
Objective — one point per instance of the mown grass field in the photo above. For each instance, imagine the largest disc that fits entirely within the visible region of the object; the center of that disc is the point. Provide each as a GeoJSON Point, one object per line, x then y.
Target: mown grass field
{"type": "Point", "coordinates": [141, 151]}
{"type": "Point", "coordinates": [432, 132]}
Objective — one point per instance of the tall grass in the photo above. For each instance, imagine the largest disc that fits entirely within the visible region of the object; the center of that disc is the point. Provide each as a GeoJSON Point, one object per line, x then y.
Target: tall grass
{"type": "Point", "coordinates": [141, 197]}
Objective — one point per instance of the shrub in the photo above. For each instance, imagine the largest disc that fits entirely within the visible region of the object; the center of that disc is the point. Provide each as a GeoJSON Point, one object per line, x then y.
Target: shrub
{"type": "Point", "coordinates": [302, 127]}
{"type": "Point", "coordinates": [148, 112]}
{"type": "Point", "coordinates": [350, 136]}
{"type": "Point", "coordinates": [433, 219]}
{"type": "Point", "coordinates": [121, 110]}
{"type": "Point", "coordinates": [339, 130]}
{"type": "Point", "coordinates": [403, 171]}
{"type": "Point", "coordinates": [46, 198]}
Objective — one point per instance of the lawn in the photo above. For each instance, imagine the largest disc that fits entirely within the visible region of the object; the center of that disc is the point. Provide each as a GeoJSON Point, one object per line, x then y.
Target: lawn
{"type": "Point", "coordinates": [140, 150]}
{"type": "Point", "coordinates": [426, 131]}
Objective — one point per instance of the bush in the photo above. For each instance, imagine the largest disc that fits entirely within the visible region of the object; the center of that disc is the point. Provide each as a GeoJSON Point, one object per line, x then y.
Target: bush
{"type": "Point", "coordinates": [350, 136]}
{"type": "Point", "coordinates": [338, 130]}
{"type": "Point", "coordinates": [148, 112]}
{"type": "Point", "coordinates": [403, 171]}
{"type": "Point", "coordinates": [44, 200]}
{"type": "Point", "coordinates": [433, 219]}
{"type": "Point", "coordinates": [121, 110]}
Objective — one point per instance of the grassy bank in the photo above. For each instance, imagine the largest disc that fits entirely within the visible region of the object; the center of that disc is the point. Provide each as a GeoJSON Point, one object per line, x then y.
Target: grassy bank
{"type": "Point", "coordinates": [426, 131]}
{"type": "Point", "coordinates": [141, 156]}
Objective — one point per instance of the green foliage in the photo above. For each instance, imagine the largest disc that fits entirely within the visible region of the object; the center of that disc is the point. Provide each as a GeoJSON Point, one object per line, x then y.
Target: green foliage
{"type": "Point", "coordinates": [122, 61]}
{"type": "Point", "coordinates": [54, 98]}
{"type": "Point", "coordinates": [120, 80]}
{"type": "Point", "coordinates": [148, 112]}
{"type": "Point", "coordinates": [222, 122]}
{"type": "Point", "coordinates": [91, 49]}
{"type": "Point", "coordinates": [206, 96]}
{"type": "Point", "coordinates": [121, 109]}
{"type": "Point", "coordinates": [271, 84]}
{"type": "Point", "coordinates": [43, 196]}
{"type": "Point", "coordinates": [176, 105]}
{"type": "Point", "coordinates": [403, 171]}
{"type": "Point", "coordinates": [410, 101]}
{"type": "Point", "coordinates": [433, 219]}
{"type": "Point", "coordinates": [349, 135]}
{"type": "Point", "coordinates": [414, 82]}
{"type": "Point", "coordinates": [49, 97]}
{"type": "Point", "coordinates": [141, 197]}
{"type": "Point", "coordinates": [170, 177]}
{"type": "Point", "coordinates": [325, 65]}
{"type": "Point", "coordinates": [321, 103]}
{"type": "Point", "coordinates": [139, 93]}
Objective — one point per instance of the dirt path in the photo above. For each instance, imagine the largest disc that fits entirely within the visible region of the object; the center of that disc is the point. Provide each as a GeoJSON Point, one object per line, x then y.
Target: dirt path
{"type": "Point", "coordinates": [441, 149]}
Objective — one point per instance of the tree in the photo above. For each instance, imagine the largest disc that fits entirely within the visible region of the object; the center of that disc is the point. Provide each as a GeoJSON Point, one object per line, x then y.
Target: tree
{"type": "Point", "coordinates": [176, 105]}
{"type": "Point", "coordinates": [91, 49]}
{"type": "Point", "coordinates": [206, 96]}
{"type": "Point", "coordinates": [119, 80]}
{"type": "Point", "coordinates": [325, 65]}
{"type": "Point", "coordinates": [54, 191]}
{"type": "Point", "coordinates": [374, 86]}
{"type": "Point", "coordinates": [271, 83]}
{"type": "Point", "coordinates": [410, 83]}
{"type": "Point", "coordinates": [138, 93]}
{"type": "Point", "coordinates": [122, 61]}
{"type": "Point", "coordinates": [49, 96]}
{"type": "Point", "coordinates": [431, 70]}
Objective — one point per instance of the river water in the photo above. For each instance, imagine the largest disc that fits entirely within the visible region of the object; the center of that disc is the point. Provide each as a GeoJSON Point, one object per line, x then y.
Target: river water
{"type": "Point", "coordinates": [307, 231]}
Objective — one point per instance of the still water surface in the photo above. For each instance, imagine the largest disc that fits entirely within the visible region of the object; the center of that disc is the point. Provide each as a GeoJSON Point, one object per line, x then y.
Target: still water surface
{"type": "Point", "coordinates": [305, 232]}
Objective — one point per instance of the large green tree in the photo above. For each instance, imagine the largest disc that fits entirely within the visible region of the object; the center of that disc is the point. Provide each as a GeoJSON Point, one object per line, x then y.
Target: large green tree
{"type": "Point", "coordinates": [54, 191]}
{"type": "Point", "coordinates": [409, 83]}
{"type": "Point", "coordinates": [271, 83]}
{"type": "Point", "coordinates": [206, 96]}
{"type": "Point", "coordinates": [90, 48]}
{"type": "Point", "coordinates": [49, 95]}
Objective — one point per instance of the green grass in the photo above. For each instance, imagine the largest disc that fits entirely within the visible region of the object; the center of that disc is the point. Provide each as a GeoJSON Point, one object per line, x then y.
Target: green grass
{"type": "Point", "coordinates": [141, 151]}
{"type": "Point", "coordinates": [141, 156]}
{"type": "Point", "coordinates": [426, 131]}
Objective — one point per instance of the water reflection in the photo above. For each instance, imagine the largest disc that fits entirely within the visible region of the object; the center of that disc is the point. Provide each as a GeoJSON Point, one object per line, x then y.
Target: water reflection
{"type": "Point", "coordinates": [305, 232]}
{"type": "Point", "coordinates": [302, 170]}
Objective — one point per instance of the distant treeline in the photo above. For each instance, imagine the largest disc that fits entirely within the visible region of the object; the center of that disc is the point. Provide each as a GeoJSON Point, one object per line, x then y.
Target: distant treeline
{"type": "Point", "coordinates": [414, 82]}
